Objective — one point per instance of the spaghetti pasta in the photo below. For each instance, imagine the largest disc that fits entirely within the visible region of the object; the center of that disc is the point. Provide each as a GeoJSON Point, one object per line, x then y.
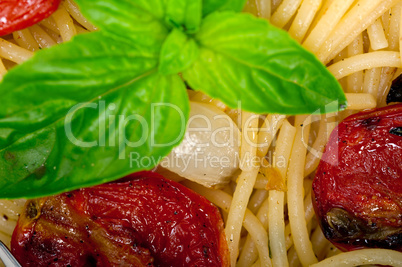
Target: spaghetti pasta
{"type": "Point", "coordinates": [360, 42]}
{"type": "Point", "coordinates": [365, 61]}
{"type": "Point", "coordinates": [303, 19]}
{"type": "Point", "coordinates": [376, 35]}
{"type": "Point", "coordinates": [276, 199]}
{"type": "Point", "coordinates": [359, 257]}
{"type": "Point", "coordinates": [355, 80]}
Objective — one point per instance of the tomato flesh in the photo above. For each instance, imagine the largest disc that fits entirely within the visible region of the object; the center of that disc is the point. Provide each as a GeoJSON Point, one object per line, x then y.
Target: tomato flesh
{"type": "Point", "coordinates": [357, 190]}
{"type": "Point", "coordinates": [141, 220]}
{"type": "Point", "coordinates": [20, 14]}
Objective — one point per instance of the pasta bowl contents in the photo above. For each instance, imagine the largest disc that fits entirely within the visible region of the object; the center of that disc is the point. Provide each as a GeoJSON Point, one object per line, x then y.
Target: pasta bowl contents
{"type": "Point", "coordinates": [109, 101]}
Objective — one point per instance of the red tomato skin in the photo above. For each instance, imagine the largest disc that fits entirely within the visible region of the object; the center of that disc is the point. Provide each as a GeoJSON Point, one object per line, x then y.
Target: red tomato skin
{"type": "Point", "coordinates": [160, 222]}
{"type": "Point", "coordinates": [357, 190]}
{"type": "Point", "coordinates": [20, 14]}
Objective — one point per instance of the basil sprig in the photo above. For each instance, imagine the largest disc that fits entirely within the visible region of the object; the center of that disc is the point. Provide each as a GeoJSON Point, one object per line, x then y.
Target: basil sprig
{"type": "Point", "coordinates": [112, 102]}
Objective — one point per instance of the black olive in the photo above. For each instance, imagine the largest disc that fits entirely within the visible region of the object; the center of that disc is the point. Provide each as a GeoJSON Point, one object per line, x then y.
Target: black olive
{"type": "Point", "coordinates": [395, 93]}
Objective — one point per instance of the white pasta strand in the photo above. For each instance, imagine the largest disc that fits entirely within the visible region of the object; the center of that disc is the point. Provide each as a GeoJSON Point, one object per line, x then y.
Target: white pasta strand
{"type": "Point", "coordinates": [329, 31]}
{"type": "Point", "coordinates": [360, 101]}
{"type": "Point", "coordinates": [327, 124]}
{"type": "Point", "coordinates": [350, 26]}
{"type": "Point", "coordinates": [275, 4]}
{"type": "Point", "coordinates": [365, 61]}
{"type": "Point", "coordinates": [41, 37]}
{"type": "Point", "coordinates": [50, 24]}
{"type": "Point", "coordinates": [362, 257]}
{"type": "Point", "coordinates": [250, 253]}
{"type": "Point", "coordinates": [400, 34]}
{"type": "Point", "coordinates": [80, 29]}
{"type": "Point", "coordinates": [264, 8]}
{"type": "Point", "coordinates": [241, 196]}
{"type": "Point", "coordinates": [320, 243]}
{"type": "Point", "coordinates": [293, 258]}
{"type": "Point", "coordinates": [257, 199]}
{"type": "Point", "coordinates": [267, 132]}
{"type": "Point", "coordinates": [25, 39]}
{"type": "Point", "coordinates": [340, 57]}
{"type": "Point", "coordinates": [245, 183]}
{"type": "Point", "coordinates": [201, 97]}
{"type": "Point", "coordinates": [65, 24]}
{"type": "Point", "coordinates": [14, 52]}
{"type": "Point", "coordinates": [372, 81]}
{"type": "Point", "coordinates": [385, 81]}
{"type": "Point", "coordinates": [261, 182]}
{"type": "Point", "coordinates": [74, 11]}
{"type": "Point", "coordinates": [355, 80]}
{"type": "Point", "coordinates": [386, 21]}
{"type": "Point", "coordinates": [326, 24]}
{"type": "Point", "coordinates": [295, 193]}
{"type": "Point", "coordinates": [304, 18]}
{"type": "Point", "coordinates": [248, 149]}
{"type": "Point", "coordinates": [321, 12]}
{"type": "Point", "coordinates": [276, 198]}
{"type": "Point", "coordinates": [394, 17]}
{"type": "Point", "coordinates": [308, 215]}
{"type": "Point", "coordinates": [284, 12]}
{"type": "Point", "coordinates": [9, 214]}
{"type": "Point", "coordinates": [251, 7]}
{"type": "Point", "coordinates": [376, 35]}
{"type": "Point", "coordinates": [394, 26]}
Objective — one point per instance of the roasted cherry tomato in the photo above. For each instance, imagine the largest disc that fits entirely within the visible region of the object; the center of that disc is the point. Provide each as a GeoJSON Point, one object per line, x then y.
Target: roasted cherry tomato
{"type": "Point", "coordinates": [358, 184]}
{"type": "Point", "coordinates": [141, 220]}
{"type": "Point", "coordinates": [19, 14]}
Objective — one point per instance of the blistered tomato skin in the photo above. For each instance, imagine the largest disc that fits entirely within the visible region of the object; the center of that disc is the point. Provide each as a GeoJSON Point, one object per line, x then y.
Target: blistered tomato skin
{"type": "Point", "coordinates": [357, 190]}
{"type": "Point", "coordinates": [20, 14]}
{"type": "Point", "coordinates": [141, 220]}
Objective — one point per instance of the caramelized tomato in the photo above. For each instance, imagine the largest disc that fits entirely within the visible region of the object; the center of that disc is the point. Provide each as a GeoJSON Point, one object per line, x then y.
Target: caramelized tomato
{"type": "Point", "coordinates": [19, 14]}
{"type": "Point", "coordinates": [141, 220]}
{"type": "Point", "coordinates": [358, 184]}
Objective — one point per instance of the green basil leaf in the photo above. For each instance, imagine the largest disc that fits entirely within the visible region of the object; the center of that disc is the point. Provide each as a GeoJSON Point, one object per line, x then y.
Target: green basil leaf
{"type": "Point", "coordinates": [128, 130]}
{"type": "Point", "coordinates": [209, 6]}
{"type": "Point", "coordinates": [243, 58]}
{"type": "Point", "coordinates": [125, 18]}
{"type": "Point", "coordinates": [184, 15]}
{"type": "Point", "coordinates": [79, 70]}
{"type": "Point", "coordinates": [83, 109]}
{"type": "Point", "coordinates": [233, 5]}
{"type": "Point", "coordinates": [178, 52]}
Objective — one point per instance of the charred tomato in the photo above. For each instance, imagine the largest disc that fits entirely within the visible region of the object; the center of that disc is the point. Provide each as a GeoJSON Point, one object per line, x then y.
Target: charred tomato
{"type": "Point", "coordinates": [19, 14]}
{"type": "Point", "coordinates": [141, 220]}
{"type": "Point", "coordinates": [357, 190]}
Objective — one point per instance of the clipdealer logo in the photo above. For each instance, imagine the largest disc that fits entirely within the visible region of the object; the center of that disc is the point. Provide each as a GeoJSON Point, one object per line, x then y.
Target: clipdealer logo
{"type": "Point", "coordinates": [111, 129]}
